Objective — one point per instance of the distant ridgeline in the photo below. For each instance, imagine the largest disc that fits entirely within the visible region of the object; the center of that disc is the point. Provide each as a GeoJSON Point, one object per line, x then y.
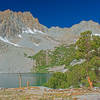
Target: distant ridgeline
{"type": "Point", "coordinates": [82, 59]}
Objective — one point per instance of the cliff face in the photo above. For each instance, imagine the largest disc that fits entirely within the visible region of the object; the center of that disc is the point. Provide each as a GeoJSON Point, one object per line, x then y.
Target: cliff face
{"type": "Point", "coordinates": [14, 23]}
{"type": "Point", "coordinates": [21, 33]}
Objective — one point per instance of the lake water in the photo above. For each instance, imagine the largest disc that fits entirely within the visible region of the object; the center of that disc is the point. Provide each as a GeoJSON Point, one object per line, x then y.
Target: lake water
{"type": "Point", "coordinates": [12, 80]}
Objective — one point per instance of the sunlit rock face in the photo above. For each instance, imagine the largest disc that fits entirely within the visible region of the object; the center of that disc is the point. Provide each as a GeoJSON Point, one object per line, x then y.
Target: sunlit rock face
{"type": "Point", "coordinates": [13, 23]}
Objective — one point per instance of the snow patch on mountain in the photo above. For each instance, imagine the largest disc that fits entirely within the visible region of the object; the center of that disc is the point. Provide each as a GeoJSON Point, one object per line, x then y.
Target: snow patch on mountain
{"type": "Point", "coordinates": [28, 30]}
{"type": "Point", "coordinates": [7, 41]}
{"type": "Point", "coordinates": [36, 44]}
{"type": "Point", "coordinates": [19, 36]}
{"type": "Point", "coordinates": [35, 30]}
{"type": "Point", "coordinates": [97, 34]}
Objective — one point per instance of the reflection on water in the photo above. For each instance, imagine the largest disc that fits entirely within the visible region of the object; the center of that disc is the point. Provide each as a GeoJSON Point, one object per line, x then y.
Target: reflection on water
{"type": "Point", "coordinates": [12, 80]}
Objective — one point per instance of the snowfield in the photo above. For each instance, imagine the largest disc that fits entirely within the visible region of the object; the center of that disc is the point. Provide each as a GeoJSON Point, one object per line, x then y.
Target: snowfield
{"type": "Point", "coordinates": [7, 41]}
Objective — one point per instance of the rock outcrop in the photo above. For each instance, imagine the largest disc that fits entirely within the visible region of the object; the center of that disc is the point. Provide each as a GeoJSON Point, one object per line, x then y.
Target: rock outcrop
{"type": "Point", "coordinates": [13, 23]}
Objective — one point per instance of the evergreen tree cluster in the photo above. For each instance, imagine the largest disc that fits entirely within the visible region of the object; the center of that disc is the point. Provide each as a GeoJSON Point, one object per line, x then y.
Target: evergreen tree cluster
{"type": "Point", "coordinates": [87, 47]}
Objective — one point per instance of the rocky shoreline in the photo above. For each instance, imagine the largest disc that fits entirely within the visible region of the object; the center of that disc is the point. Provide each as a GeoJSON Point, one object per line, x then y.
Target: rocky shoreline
{"type": "Point", "coordinates": [43, 93]}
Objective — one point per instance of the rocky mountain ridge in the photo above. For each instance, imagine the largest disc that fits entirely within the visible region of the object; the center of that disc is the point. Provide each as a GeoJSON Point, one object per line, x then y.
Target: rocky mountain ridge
{"type": "Point", "coordinates": [14, 23]}
{"type": "Point", "coordinates": [21, 33]}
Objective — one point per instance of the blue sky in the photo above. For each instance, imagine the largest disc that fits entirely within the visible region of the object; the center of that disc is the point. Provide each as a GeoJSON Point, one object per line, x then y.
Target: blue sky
{"type": "Point", "coordinates": [62, 13]}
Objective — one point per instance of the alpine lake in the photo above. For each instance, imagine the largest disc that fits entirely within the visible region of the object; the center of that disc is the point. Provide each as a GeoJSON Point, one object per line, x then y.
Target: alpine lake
{"type": "Point", "coordinates": [11, 80]}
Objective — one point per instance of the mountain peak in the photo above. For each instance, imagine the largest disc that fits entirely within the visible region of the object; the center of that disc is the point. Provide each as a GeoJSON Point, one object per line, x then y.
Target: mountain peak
{"type": "Point", "coordinates": [13, 23]}
{"type": "Point", "coordinates": [89, 21]}
{"type": "Point", "coordinates": [7, 11]}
